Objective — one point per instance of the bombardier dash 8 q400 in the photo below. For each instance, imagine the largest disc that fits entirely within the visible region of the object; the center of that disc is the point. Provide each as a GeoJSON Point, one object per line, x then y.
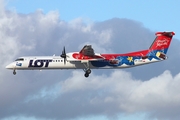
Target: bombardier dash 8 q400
{"type": "Point", "coordinates": [87, 59]}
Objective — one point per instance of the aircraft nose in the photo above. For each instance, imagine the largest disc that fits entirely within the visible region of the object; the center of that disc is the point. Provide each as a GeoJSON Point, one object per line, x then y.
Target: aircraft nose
{"type": "Point", "coordinates": [10, 66]}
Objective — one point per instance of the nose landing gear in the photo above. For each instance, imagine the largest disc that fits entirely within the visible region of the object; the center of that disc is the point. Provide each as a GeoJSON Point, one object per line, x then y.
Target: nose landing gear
{"type": "Point", "coordinates": [14, 72]}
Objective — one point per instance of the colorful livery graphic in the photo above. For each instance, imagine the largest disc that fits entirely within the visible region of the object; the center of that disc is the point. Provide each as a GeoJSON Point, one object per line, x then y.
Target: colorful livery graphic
{"type": "Point", "coordinates": [87, 59]}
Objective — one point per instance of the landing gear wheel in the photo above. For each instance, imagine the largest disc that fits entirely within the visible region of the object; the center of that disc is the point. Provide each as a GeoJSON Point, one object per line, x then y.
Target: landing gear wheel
{"type": "Point", "coordinates": [86, 74]}
{"type": "Point", "coordinates": [88, 71]}
{"type": "Point", "coordinates": [14, 72]}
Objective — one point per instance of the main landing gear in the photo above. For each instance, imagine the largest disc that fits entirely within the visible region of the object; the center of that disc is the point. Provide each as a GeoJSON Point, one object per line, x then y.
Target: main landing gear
{"type": "Point", "coordinates": [87, 72]}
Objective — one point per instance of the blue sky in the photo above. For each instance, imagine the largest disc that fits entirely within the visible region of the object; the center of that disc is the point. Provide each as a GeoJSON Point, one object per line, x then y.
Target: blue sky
{"type": "Point", "coordinates": [156, 15]}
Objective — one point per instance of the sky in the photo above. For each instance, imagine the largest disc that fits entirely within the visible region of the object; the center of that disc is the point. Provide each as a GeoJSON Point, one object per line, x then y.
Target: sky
{"type": "Point", "coordinates": [157, 15]}
{"type": "Point", "coordinates": [40, 27]}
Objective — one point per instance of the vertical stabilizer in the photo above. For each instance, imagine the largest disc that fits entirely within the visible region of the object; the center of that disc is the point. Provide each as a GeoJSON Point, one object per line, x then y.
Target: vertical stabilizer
{"type": "Point", "coordinates": [160, 45]}
{"type": "Point", "coordinates": [162, 42]}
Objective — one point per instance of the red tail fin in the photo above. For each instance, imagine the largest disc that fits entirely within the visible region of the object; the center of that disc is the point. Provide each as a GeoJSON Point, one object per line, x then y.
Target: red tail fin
{"type": "Point", "coordinates": [162, 42]}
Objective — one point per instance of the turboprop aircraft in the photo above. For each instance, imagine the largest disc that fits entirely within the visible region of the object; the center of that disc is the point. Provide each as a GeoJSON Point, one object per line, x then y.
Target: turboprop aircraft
{"type": "Point", "coordinates": [87, 59]}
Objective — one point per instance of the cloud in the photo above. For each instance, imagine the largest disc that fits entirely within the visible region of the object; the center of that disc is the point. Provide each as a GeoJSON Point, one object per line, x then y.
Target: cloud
{"type": "Point", "coordinates": [109, 95]}
{"type": "Point", "coordinates": [120, 93]}
{"type": "Point", "coordinates": [66, 94]}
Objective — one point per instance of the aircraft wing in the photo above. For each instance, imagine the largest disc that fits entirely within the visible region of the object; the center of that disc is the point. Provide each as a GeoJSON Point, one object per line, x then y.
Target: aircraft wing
{"type": "Point", "coordinates": [86, 53]}
{"type": "Point", "coordinates": [87, 50]}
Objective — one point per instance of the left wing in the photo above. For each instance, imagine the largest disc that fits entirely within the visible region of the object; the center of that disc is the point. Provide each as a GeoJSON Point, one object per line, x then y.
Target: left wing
{"type": "Point", "coordinates": [87, 53]}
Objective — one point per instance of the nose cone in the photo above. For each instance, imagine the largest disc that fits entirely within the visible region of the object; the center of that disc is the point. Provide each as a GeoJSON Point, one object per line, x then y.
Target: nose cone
{"type": "Point", "coordinates": [10, 66]}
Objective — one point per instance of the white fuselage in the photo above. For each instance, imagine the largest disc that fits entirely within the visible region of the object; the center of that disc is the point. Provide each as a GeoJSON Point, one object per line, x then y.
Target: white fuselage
{"type": "Point", "coordinates": [71, 62]}
{"type": "Point", "coordinates": [56, 62]}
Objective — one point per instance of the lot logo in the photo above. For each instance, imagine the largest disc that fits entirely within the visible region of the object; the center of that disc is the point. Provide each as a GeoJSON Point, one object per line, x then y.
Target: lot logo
{"type": "Point", "coordinates": [39, 63]}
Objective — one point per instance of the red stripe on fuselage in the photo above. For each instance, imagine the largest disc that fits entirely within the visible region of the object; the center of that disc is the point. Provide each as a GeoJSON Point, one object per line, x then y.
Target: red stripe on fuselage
{"type": "Point", "coordinates": [109, 56]}
{"type": "Point", "coordinates": [138, 53]}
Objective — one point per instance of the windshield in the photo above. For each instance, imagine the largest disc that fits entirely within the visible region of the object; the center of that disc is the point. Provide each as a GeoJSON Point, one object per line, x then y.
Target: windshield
{"type": "Point", "coordinates": [20, 59]}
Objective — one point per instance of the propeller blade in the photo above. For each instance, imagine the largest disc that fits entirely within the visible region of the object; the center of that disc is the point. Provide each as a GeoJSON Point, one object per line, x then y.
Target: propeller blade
{"type": "Point", "coordinates": [64, 50]}
{"type": "Point", "coordinates": [63, 55]}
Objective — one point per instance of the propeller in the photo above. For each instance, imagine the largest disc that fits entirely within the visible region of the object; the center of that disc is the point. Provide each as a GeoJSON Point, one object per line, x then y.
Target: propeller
{"type": "Point", "coordinates": [63, 55]}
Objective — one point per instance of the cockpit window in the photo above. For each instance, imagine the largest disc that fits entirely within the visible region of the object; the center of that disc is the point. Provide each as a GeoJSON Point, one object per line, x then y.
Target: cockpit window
{"type": "Point", "coordinates": [20, 59]}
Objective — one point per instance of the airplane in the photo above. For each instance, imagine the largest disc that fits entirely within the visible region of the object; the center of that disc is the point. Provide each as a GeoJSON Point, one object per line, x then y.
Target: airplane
{"type": "Point", "coordinates": [87, 59]}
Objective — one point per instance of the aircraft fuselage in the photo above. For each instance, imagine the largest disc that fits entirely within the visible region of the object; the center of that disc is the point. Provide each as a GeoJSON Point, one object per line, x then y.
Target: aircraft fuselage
{"type": "Point", "coordinates": [56, 62]}
{"type": "Point", "coordinates": [87, 59]}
